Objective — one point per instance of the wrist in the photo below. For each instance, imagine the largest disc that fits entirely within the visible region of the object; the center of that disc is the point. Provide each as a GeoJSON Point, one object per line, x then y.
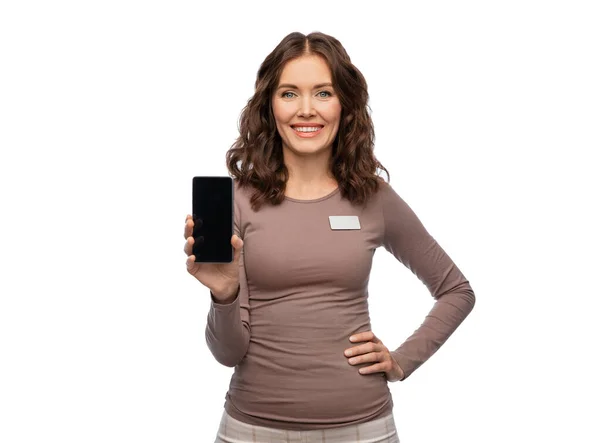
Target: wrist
{"type": "Point", "coordinates": [225, 297]}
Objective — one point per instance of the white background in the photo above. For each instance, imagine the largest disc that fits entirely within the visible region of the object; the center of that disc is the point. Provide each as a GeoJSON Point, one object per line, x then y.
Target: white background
{"type": "Point", "coordinates": [486, 115]}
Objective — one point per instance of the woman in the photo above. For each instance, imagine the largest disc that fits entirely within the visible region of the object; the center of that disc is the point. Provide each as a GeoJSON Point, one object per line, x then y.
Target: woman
{"type": "Point", "coordinates": [290, 313]}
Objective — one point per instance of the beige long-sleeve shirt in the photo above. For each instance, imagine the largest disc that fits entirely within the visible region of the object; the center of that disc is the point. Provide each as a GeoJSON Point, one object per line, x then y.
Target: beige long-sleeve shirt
{"type": "Point", "coordinates": [304, 292]}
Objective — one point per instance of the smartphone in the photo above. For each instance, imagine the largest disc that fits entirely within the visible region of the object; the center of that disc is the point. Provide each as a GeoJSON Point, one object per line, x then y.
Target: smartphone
{"type": "Point", "coordinates": [212, 212]}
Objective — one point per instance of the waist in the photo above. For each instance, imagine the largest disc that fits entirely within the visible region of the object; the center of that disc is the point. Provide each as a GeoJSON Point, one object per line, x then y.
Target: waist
{"type": "Point", "coordinates": [323, 394]}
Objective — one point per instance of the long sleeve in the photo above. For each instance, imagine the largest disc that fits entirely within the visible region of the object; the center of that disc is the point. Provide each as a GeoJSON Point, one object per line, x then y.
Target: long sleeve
{"type": "Point", "coordinates": [407, 239]}
{"type": "Point", "coordinates": [228, 326]}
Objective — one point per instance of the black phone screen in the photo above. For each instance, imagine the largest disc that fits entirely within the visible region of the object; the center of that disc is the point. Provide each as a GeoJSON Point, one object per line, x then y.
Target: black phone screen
{"type": "Point", "coordinates": [212, 212]}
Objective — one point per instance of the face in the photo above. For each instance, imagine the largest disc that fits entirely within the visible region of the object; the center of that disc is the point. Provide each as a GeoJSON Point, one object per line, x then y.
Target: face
{"type": "Point", "coordinates": [302, 98]}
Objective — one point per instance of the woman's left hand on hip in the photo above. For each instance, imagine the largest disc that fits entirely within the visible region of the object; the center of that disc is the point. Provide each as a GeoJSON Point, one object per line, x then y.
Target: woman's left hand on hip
{"type": "Point", "coordinates": [373, 351]}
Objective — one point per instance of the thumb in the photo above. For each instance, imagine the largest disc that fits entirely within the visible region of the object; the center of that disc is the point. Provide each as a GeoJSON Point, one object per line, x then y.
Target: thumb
{"type": "Point", "coordinates": [237, 244]}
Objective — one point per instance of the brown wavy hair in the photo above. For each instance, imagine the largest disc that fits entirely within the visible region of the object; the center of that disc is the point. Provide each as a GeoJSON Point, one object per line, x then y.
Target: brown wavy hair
{"type": "Point", "coordinates": [256, 157]}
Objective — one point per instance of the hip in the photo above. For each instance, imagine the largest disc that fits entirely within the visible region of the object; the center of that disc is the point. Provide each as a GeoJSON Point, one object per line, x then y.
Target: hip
{"type": "Point", "coordinates": [323, 394]}
{"type": "Point", "coordinates": [381, 430]}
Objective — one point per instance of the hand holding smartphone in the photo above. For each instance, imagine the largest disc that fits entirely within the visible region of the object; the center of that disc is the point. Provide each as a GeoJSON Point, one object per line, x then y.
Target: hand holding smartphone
{"type": "Point", "coordinates": [213, 250]}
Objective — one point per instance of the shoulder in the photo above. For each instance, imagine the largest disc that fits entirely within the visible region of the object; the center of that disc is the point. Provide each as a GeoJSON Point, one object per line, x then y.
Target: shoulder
{"type": "Point", "coordinates": [391, 203]}
{"type": "Point", "coordinates": [384, 187]}
{"type": "Point", "coordinates": [385, 193]}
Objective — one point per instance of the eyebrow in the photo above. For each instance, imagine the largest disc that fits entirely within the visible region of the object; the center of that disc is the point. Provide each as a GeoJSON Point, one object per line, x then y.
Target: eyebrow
{"type": "Point", "coordinates": [289, 85]}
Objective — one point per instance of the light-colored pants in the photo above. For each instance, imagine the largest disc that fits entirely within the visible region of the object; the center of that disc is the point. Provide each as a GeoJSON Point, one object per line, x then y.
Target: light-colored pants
{"type": "Point", "coordinates": [382, 430]}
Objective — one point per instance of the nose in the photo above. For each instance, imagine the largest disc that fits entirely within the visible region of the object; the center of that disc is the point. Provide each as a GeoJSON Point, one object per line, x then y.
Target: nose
{"type": "Point", "coordinates": [306, 107]}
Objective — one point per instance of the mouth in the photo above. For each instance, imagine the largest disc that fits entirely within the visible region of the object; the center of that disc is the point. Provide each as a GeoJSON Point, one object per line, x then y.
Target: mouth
{"type": "Point", "coordinates": [307, 131]}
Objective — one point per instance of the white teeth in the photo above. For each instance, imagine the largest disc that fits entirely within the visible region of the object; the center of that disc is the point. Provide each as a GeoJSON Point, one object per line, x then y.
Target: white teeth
{"type": "Point", "coordinates": [307, 129]}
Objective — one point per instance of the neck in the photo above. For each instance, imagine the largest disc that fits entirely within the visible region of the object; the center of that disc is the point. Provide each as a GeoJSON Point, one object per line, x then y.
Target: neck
{"type": "Point", "coordinates": [309, 171]}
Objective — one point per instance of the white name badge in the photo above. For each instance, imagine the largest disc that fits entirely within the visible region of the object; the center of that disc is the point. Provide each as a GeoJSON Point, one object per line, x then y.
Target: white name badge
{"type": "Point", "coordinates": [344, 222]}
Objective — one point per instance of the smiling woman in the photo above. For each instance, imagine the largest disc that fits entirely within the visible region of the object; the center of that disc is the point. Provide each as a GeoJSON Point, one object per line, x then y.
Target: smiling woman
{"type": "Point", "coordinates": [306, 81]}
{"type": "Point", "coordinates": [311, 211]}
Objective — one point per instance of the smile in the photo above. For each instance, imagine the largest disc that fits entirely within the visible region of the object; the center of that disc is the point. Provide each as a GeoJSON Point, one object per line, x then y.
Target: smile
{"type": "Point", "coordinates": [307, 132]}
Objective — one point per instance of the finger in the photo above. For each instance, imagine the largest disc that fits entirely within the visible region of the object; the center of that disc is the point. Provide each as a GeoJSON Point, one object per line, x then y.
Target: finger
{"type": "Point", "coordinates": [190, 261]}
{"type": "Point", "coordinates": [187, 248]}
{"type": "Point", "coordinates": [189, 226]}
{"type": "Point", "coordinates": [362, 349]}
{"type": "Point", "coordinates": [237, 244]}
{"type": "Point", "coordinates": [378, 367]}
{"type": "Point", "coordinates": [366, 358]}
{"type": "Point", "coordinates": [362, 336]}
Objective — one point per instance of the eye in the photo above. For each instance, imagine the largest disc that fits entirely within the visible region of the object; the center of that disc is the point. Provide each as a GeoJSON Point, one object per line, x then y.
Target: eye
{"type": "Point", "coordinates": [285, 94]}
